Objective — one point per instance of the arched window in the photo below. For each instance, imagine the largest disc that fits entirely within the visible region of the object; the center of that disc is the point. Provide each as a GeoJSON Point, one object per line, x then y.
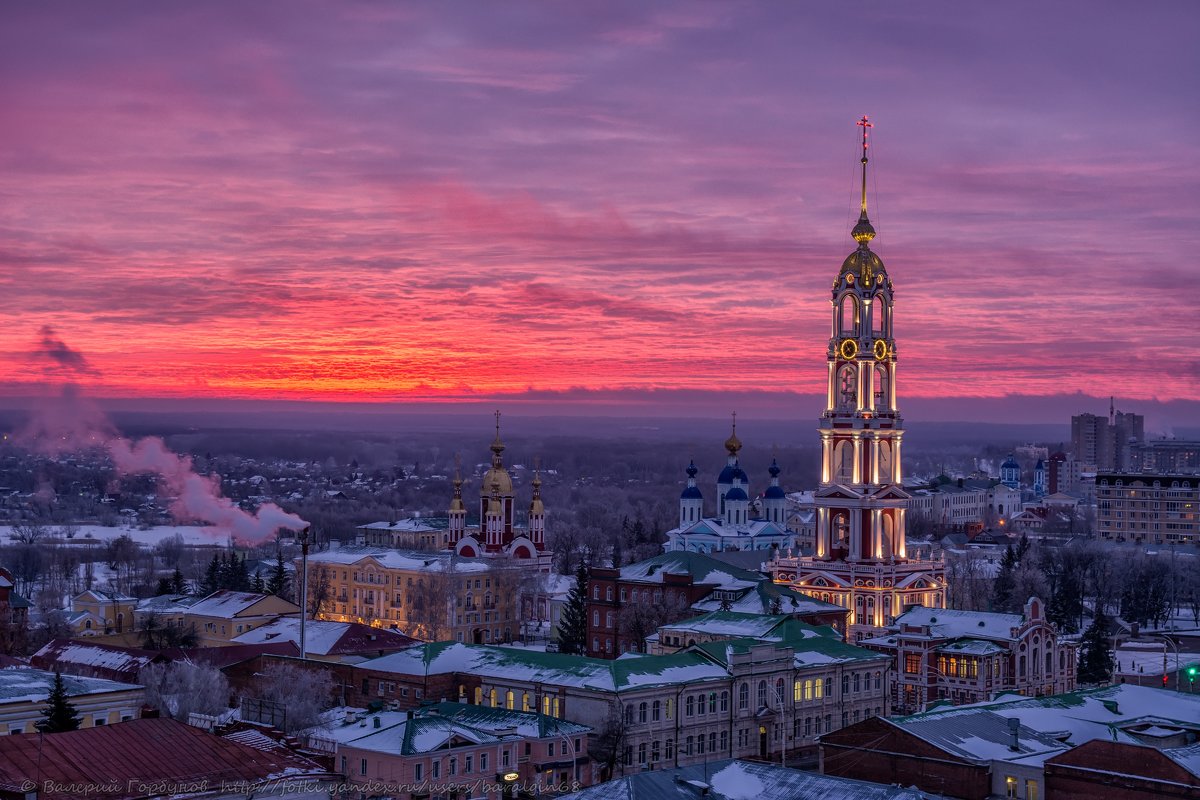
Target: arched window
{"type": "Point", "coordinates": [843, 462]}
{"type": "Point", "coordinates": [628, 714]}
{"type": "Point", "coordinates": [656, 711]}
{"type": "Point", "coordinates": [880, 386]}
{"type": "Point", "coordinates": [478, 695]}
{"type": "Point", "coordinates": [845, 684]}
{"type": "Point", "coordinates": [493, 700]}
{"type": "Point", "coordinates": [690, 708]}
{"type": "Point", "coordinates": [857, 685]}
{"type": "Point", "coordinates": [525, 706]}
{"type": "Point", "coordinates": [848, 314]}
{"type": "Point", "coordinates": [642, 711]}
{"type": "Point", "coordinates": [762, 694]}
{"type": "Point", "coordinates": [847, 388]}
{"type": "Point", "coordinates": [779, 691]}
{"type": "Point", "coordinates": [725, 701]}
{"type": "Point", "coordinates": [879, 310]}
{"type": "Point", "coordinates": [510, 700]}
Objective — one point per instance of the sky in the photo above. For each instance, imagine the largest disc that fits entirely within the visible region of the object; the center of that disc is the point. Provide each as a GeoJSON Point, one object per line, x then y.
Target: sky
{"type": "Point", "coordinates": [604, 202]}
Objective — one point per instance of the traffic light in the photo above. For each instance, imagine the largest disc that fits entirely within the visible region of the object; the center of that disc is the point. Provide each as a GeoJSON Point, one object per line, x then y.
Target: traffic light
{"type": "Point", "coordinates": [1164, 681]}
{"type": "Point", "coordinates": [1191, 671]}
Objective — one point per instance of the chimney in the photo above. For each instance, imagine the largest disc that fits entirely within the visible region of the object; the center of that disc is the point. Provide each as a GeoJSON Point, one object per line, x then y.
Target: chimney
{"type": "Point", "coordinates": [1014, 726]}
{"type": "Point", "coordinates": [377, 722]}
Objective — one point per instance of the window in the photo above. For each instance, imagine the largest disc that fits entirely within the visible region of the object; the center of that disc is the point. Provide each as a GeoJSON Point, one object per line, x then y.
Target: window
{"type": "Point", "coordinates": [437, 768]}
{"type": "Point", "coordinates": [418, 771]}
{"type": "Point", "coordinates": [550, 749]}
{"type": "Point", "coordinates": [762, 694]}
{"type": "Point", "coordinates": [453, 765]}
{"type": "Point", "coordinates": [468, 763]}
{"type": "Point", "coordinates": [642, 713]}
{"type": "Point", "coordinates": [1010, 786]}
{"type": "Point", "coordinates": [642, 753]}
{"type": "Point", "coordinates": [362, 763]}
{"type": "Point", "coordinates": [691, 705]}
{"type": "Point", "coordinates": [712, 702]}
{"type": "Point", "coordinates": [1031, 789]}
{"type": "Point", "coordinates": [483, 759]}
{"type": "Point", "coordinates": [670, 749]}
{"type": "Point", "coordinates": [654, 752]}
{"type": "Point", "coordinates": [857, 685]}
{"type": "Point", "coordinates": [743, 696]}
{"type": "Point", "coordinates": [656, 712]}
{"type": "Point", "coordinates": [503, 760]}
{"type": "Point", "coordinates": [510, 700]}
{"type": "Point", "coordinates": [845, 684]}
{"type": "Point", "coordinates": [691, 743]}
{"type": "Point", "coordinates": [724, 740]}
{"type": "Point", "coordinates": [912, 663]}
{"type": "Point", "coordinates": [725, 701]}
{"type": "Point", "coordinates": [712, 742]}
{"type": "Point", "coordinates": [699, 744]}
{"type": "Point", "coordinates": [628, 713]}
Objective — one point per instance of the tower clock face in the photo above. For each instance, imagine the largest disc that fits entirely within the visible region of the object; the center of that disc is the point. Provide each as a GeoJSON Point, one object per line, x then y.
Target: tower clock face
{"type": "Point", "coordinates": [848, 349]}
{"type": "Point", "coordinates": [881, 350]}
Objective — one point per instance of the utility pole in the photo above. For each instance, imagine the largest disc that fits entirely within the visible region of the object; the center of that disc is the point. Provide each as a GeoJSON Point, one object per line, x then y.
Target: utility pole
{"type": "Point", "coordinates": [303, 537]}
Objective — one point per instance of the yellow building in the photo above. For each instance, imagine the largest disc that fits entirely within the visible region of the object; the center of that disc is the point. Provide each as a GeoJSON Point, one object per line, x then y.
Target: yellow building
{"type": "Point", "coordinates": [23, 693]}
{"type": "Point", "coordinates": [431, 596]}
{"type": "Point", "coordinates": [224, 615]}
{"type": "Point", "coordinates": [99, 613]}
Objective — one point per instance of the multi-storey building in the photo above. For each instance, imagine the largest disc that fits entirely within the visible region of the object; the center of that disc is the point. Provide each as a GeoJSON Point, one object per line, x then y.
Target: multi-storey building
{"type": "Point", "coordinates": [23, 693]}
{"type": "Point", "coordinates": [1167, 455]}
{"type": "Point", "coordinates": [625, 605]}
{"type": "Point", "coordinates": [458, 750]}
{"type": "Point", "coordinates": [1108, 443]}
{"type": "Point", "coordinates": [969, 656]}
{"type": "Point", "coordinates": [416, 533]}
{"type": "Point", "coordinates": [224, 615]}
{"type": "Point", "coordinates": [1152, 507]}
{"type": "Point", "coordinates": [861, 560]}
{"type": "Point", "coordinates": [725, 699]}
{"type": "Point", "coordinates": [429, 595]}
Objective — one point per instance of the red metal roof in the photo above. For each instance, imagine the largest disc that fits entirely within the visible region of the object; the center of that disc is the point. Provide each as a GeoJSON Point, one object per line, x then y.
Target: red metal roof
{"type": "Point", "coordinates": [141, 758]}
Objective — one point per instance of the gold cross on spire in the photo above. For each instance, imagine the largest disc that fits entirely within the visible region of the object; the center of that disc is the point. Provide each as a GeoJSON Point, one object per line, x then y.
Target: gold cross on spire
{"type": "Point", "coordinates": [864, 124]}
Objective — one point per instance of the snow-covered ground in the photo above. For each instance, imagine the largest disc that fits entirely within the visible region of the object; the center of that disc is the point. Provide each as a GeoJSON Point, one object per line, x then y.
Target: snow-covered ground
{"type": "Point", "coordinates": [191, 534]}
{"type": "Point", "coordinates": [1137, 658]}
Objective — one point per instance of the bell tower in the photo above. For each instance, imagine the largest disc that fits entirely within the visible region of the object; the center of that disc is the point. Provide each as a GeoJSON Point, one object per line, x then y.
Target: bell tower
{"type": "Point", "coordinates": [860, 560]}
{"type": "Point", "coordinates": [860, 428]}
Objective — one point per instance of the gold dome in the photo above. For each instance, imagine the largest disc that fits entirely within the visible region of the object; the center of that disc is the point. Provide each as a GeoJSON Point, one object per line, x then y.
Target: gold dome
{"type": "Point", "coordinates": [496, 476]}
{"type": "Point", "coordinates": [733, 444]}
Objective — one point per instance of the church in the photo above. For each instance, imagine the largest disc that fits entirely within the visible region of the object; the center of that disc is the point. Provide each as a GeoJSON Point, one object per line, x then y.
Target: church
{"type": "Point", "coordinates": [736, 526]}
{"type": "Point", "coordinates": [860, 561]}
{"type": "Point", "coordinates": [496, 534]}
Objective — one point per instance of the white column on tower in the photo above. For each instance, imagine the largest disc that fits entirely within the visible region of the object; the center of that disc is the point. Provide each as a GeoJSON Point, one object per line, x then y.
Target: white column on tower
{"type": "Point", "coordinates": [857, 474]}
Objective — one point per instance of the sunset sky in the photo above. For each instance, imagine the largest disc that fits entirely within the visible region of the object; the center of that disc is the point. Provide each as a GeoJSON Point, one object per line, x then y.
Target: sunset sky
{"type": "Point", "coordinates": [447, 201]}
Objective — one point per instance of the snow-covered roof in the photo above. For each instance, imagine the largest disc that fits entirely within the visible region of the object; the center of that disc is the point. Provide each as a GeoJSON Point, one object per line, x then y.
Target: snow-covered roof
{"type": "Point", "coordinates": [443, 725]}
{"type": "Point", "coordinates": [91, 654]}
{"type": "Point", "coordinates": [394, 559]}
{"type": "Point", "coordinates": [740, 780]}
{"type": "Point", "coordinates": [227, 604]}
{"type": "Point", "coordinates": [704, 570]}
{"type": "Point", "coordinates": [981, 735]}
{"type": "Point", "coordinates": [558, 669]}
{"type": "Point", "coordinates": [1080, 716]}
{"type": "Point", "coordinates": [25, 684]}
{"type": "Point", "coordinates": [407, 525]}
{"type": "Point", "coordinates": [327, 638]}
{"type": "Point", "coordinates": [945, 623]}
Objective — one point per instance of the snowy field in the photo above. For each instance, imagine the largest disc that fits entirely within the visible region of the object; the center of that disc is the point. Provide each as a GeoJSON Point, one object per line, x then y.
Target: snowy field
{"type": "Point", "coordinates": [191, 534]}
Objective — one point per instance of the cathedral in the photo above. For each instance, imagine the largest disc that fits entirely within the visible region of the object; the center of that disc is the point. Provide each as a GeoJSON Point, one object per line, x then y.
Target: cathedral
{"type": "Point", "coordinates": [736, 525]}
{"type": "Point", "coordinates": [860, 561]}
{"type": "Point", "coordinates": [496, 534]}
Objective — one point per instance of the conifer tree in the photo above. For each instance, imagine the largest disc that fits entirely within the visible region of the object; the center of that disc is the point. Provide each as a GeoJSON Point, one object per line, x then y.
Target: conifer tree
{"type": "Point", "coordinates": [178, 584]}
{"type": "Point", "coordinates": [572, 625]}
{"type": "Point", "coordinates": [164, 587]}
{"type": "Point", "coordinates": [1095, 654]}
{"type": "Point", "coordinates": [278, 583]}
{"type": "Point", "coordinates": [257, 585]}
{"type": "Point", "coordinates": [212, 577]}
{"type": "Point", "coordinates": [239, 574]}
{"type": "Point", "coordinates": [59, 714]}
{"type": "Point", "coordinates": [1002, 589]}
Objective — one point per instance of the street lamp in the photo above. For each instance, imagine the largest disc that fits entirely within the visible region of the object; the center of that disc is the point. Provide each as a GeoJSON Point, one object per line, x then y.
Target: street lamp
{"type": "Point", "coordinates": [1175, 645]}
{"type": "Point", "coordinates": [302, 536]}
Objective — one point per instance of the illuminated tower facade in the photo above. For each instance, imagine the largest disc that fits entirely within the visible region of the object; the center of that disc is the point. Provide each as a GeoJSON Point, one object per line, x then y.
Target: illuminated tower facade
{"type": "Point", "coordinates": [860, 560]}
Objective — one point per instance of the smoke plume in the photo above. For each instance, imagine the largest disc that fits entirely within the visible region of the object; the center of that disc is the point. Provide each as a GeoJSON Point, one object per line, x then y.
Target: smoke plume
{"type": "Point", "coordinates": [72, 422]}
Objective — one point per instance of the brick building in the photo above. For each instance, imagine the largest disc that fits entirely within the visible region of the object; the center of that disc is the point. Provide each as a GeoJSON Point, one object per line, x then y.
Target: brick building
{"type": "Point", "coordinates": [626, 605]}
{"type": "Point", "coordinates": [1160, 508]}
{"type": "Point", "coordinates": [970, 656]}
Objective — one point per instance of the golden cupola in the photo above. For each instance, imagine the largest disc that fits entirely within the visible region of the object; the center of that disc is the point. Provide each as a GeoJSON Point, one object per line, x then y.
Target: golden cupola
{"type": "Point", "coordinates": [862, 269]}
{"type": "Point", "coordinates": [497, 476]}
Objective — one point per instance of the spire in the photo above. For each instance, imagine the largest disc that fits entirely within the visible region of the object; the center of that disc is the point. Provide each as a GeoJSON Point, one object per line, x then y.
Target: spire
{"type": "Point", "coordinates": [863, 232]}
{"type": "Point", "coordinates": [733, 444]}
{"type": "Point", "coordinates": [691, 470]}
{"type": "Point", "coordinates": [456, 504]}
{"type": "Point", "coordinates": [497, 446]}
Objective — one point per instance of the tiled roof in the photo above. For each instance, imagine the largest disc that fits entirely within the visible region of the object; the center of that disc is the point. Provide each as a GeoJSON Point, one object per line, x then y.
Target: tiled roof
{"type": "Point", "coordinates": [142, 751]}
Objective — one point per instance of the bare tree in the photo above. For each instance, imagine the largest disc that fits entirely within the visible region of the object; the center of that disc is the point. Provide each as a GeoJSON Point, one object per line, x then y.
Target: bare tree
{"type": "Point", "coordinates": [638, 620]}
{"type": "Point", "coordinates": [182, 688]}
{"type": "Point", "coordinates": [29, 532]}
{"type": "Point", "coordinates": [304, 694]}
{"type": "Point", "coordinates": [605, 749]}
